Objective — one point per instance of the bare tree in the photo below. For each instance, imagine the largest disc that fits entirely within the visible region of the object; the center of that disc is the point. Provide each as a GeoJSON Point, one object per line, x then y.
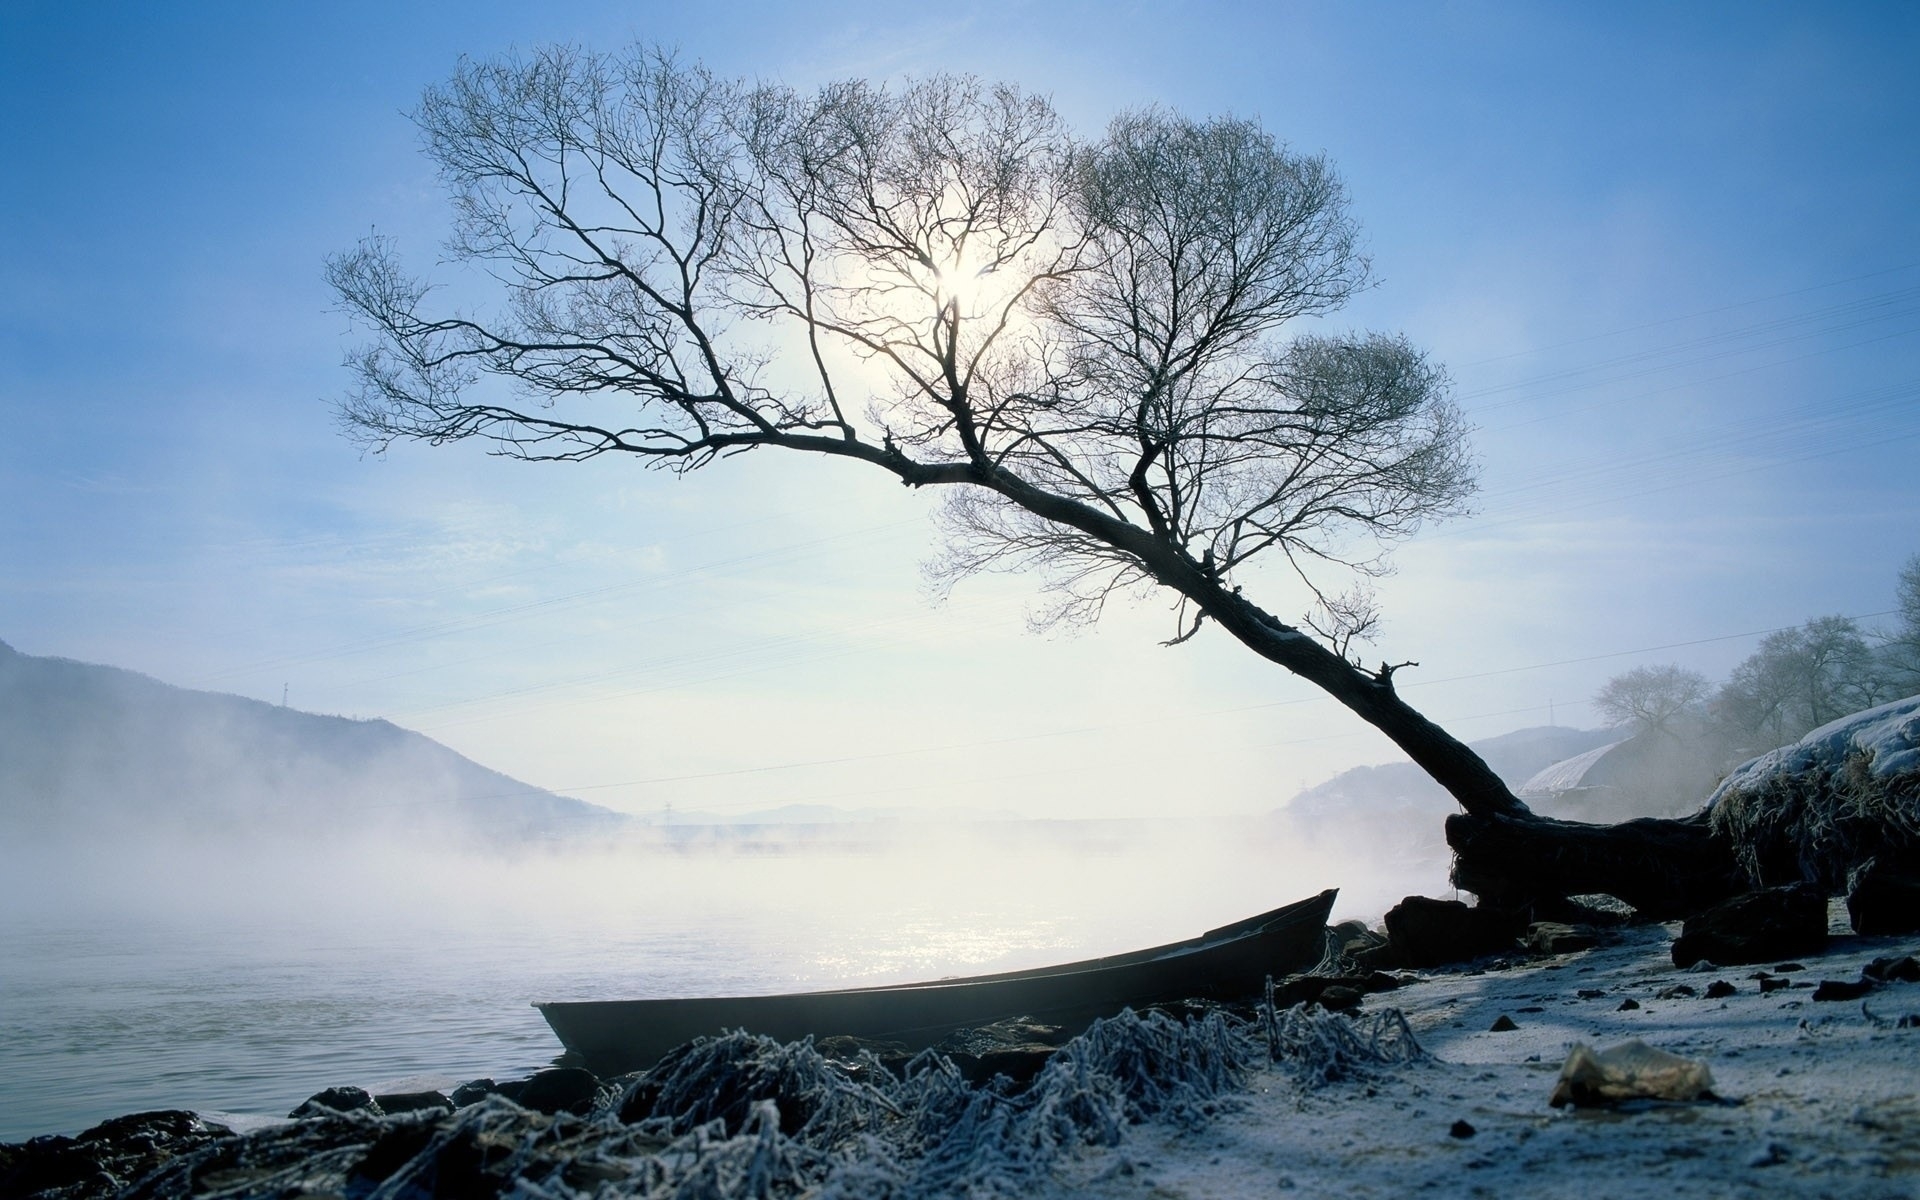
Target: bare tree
{"type": "Point", "coordinates": [1102, 347]}
{"type": "Point", "coordinates": [1903, 645]}
{"type": "Point", "coordinates": [1082, 339]}
{"type": "Point", "coordinates": [1800, 679]}
{"type": "Point", "coordinates": [1650, 699]}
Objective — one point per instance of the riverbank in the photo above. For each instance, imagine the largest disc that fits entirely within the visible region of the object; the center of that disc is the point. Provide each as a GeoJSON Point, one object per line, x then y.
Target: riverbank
{"type": "Point", "coordinates": [1809, 1098]}
{"type": "Point", "coordinates": [1815, 1098]}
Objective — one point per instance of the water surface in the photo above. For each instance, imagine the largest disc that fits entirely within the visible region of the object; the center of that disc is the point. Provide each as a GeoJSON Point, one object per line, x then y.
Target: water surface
{"type": "Point", "coordinates": [243, 984]}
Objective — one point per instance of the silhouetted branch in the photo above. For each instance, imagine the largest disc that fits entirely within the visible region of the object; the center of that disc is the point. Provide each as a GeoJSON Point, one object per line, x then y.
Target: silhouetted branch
{"type": "Point", "coordinates": [1091, 341]}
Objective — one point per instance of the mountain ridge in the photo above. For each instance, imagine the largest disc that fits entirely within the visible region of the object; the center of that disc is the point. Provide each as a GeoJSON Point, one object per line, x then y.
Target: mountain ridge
{"type": "Point", "coordinates": [84, 743]}
{"type": "Point", "coordinates": [1514, 756]}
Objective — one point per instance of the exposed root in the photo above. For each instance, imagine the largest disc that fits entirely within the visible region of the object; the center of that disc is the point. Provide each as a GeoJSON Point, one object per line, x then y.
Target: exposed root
{"type": "Point", "coordinates": [1816, 825]}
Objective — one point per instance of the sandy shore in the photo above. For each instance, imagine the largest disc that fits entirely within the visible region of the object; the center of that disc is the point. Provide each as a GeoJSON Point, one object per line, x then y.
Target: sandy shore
{"type": "Point", "coordinates": [1817, 1100]}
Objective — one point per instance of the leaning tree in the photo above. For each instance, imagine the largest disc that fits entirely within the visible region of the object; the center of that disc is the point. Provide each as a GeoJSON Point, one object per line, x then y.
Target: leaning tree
{"type": "Point", "coordinates": [1093, 347]}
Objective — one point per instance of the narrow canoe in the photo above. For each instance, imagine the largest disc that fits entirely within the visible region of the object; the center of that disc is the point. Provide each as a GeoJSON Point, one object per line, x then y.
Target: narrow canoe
{"type": "Point", "coordinates": [1229, 963]}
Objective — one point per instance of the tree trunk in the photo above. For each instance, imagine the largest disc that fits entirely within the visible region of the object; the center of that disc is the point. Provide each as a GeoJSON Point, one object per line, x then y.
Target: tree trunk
{"type": "Point", "coordinates": [1664, 868]}
{"type": "Point", "coordinates": [1504, 853]}
{"type": "Point", "coordinates": [1370, 696]}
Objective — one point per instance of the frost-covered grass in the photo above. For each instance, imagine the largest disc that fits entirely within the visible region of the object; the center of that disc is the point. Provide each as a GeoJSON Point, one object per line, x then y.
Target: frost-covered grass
{"type": "Point", "coordinates": [1815, 1100]}
{"type": "Point", "coordinates": [1847, 792]}
{"type": "Point", "coordinates": [1820, 824]}
{"type": "Point", "coordinates": [742, 1115]}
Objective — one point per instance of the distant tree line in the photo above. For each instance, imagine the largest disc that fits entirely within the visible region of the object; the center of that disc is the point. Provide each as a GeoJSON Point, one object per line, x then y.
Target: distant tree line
{"type": "Point", "coordinates": [1796, 681]}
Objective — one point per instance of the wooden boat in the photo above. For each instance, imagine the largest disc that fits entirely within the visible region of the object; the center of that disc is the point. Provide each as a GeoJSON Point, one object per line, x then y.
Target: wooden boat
{"type": "Point", "coordinates": [1229, 963]}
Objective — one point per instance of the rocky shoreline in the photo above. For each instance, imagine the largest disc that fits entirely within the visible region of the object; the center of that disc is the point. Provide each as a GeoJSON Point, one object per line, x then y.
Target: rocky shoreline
{"type": "Point", "coordinates": [1020, 1109]}
{"type": "Point", "coordinates": [733, 1115]}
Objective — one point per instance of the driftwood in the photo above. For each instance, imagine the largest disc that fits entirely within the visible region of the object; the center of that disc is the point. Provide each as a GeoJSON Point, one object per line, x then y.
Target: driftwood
{"type": "Point", "coordinates": [1830, 810]}
{"type": "Point", "coordinates": [1664, 868]}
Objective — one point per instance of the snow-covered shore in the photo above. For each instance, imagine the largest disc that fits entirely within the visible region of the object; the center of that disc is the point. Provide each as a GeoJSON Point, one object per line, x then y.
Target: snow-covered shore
{"type": "Point", "coordinates": [1810, 1098]}
{"type": "Point", "coordinates": [1816, 1098]}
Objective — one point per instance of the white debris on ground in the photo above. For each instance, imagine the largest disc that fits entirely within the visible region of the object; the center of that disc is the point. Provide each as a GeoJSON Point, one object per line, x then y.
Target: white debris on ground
{"type": "Point", "coordinates": [1814, 1099]}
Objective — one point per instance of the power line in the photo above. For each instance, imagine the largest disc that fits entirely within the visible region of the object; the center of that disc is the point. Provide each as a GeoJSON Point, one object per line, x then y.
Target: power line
{"type": "Point", "coordinates": [1706, 312]}
{"type": "Point", "coordinates": [1647, 362]}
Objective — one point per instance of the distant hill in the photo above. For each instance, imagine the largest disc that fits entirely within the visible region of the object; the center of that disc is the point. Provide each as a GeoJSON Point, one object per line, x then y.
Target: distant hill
{"type": "Point", "coordinates": [830, 814]}
{"type": "Point", "coordinates": [92, 749]}
{"type": "Point", "coordinates": [1515, 757]}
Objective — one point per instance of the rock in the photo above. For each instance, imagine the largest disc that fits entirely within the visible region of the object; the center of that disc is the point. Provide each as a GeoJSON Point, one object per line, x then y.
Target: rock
{"type": "Point", "coordinates": [1016, 1048]}
{"type": "Point", "coordinates": [1773, 983]}
{"type": "Point", "coordinates": [1381, 981]}
{"type": "Point", "coordinates": [1552, 937]}
{"type": "Point", "coordinates": [1365, 948]}
{"type": "Point", "coordinates": [1502, 1024]}
{"type": "Point", "coordinates": [473, 1092]}
{"type": "Point", "coordinates": [337, 1100]}
{"type": "Point", "coordinates": [1373, 955]}
{"type": "Point", "coordinates": [1720, 989]}
{"type": "Point", "coordinates": [1349, 931]}
{"type": "Point", "coordinates": [1628, 1005]}
{"type": "Point", "coordinates": [864, 1058]}
{"type": "Point", "coordinates": [851, 1054]}
{"type": "Point", "coordinates": [560, 1089]}
{"type": "Point", "coordinates": [1763, 926]}
{"type": "Point", "coordinates": [1881, 900]}
{"type": "Point", "coordinates": [1678, 991]}
{"type": "Point", "coordinates": [399, 1102]}
{"type": "Point", "coordinates": [510, 1088]}
{"type": "Point", "coordinates": [1461, 1129]}
{"type": "Point", "coordinates": [1905, 969]}
{"type": "Point", "coordinates": [1595, 911]}
{"type": "Point", "coordinates": [1307, 989]}
{"type": "Point", "coordinates": [1422, 932]}
{"type": "Point", "coordinates": [1835, 989]}
{"type": "Point", "coordinates": [106, 1158]}
{"type": "Point", "coordinates": [1340, 999]}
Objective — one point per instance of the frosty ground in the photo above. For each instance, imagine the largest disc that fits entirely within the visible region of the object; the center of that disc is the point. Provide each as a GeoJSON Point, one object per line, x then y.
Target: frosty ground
{"type": "Point", "coordinates": [1810, 1098]}
{"type": "Point", "coordinates": [1817, 1099]}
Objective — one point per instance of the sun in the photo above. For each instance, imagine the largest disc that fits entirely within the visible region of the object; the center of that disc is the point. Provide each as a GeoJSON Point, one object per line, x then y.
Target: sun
{"type": "Point", "coordinates": [965, 283]}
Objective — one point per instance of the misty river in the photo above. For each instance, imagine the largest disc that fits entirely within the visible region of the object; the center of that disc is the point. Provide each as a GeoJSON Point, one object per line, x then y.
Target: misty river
{"type": "Point", "coordinates": [243, 982]}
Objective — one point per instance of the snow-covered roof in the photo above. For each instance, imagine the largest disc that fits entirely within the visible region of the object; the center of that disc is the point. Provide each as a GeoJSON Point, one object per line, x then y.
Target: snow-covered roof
{"type": "Point", "coordinates": [1889, 735]}
{"type": "Point", "coordinates": [1567, 774]}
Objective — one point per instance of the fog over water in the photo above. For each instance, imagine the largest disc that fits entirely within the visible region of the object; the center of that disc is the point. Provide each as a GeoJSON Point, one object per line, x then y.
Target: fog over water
{"type": "Point", "coordinates": [242, 975]}
{"type": "Point", "coordinates": [1666, 254]}
{"type": "Point", "coordinates": [214, 903]}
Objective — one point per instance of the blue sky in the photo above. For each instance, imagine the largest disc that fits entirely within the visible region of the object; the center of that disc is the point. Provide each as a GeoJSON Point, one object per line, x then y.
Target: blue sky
{"type": "Point", "coordinates": [1669, 254]}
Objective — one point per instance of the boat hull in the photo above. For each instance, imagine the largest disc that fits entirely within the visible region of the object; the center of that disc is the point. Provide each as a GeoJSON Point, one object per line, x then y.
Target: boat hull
{"type": "Point", "coordinates": [1225, 964]}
